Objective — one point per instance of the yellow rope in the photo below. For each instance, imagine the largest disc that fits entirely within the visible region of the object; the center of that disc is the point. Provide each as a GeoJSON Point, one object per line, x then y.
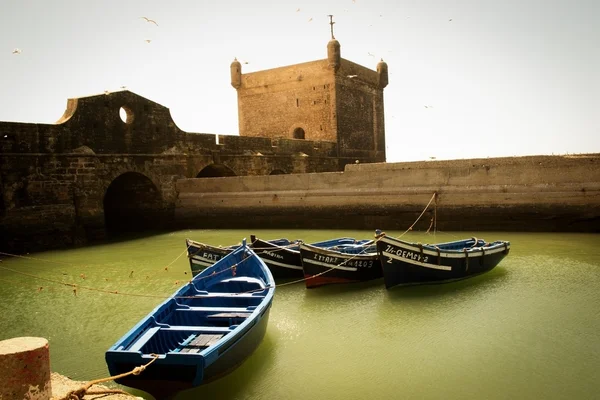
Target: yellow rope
{"type": "Point", "coordinates": [419, 217]}
{"type": "Point", "coordinates": [76, 286]}
{"type": "Point", "coordinates": [78, 394]}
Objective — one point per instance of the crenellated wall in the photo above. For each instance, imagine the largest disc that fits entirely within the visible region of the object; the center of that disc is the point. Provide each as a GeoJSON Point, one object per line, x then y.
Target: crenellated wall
{"type": "Point", "coordinates": [537, 193]}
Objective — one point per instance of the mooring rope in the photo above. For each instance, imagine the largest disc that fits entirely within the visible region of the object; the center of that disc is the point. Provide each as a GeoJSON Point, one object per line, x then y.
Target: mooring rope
{"type": "Point", "coordinates": [76, 286]}
{"type": "Point", "coordinates": [78, 394]}
{"type": "Point", "coordinates": [420, 215]}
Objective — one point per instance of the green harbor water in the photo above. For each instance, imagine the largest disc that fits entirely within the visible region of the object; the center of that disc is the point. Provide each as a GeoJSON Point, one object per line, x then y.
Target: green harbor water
{"type": "Point", "coordinates": [529, 329]}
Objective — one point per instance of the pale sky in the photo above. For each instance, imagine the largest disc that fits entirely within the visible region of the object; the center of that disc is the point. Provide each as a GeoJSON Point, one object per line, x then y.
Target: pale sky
{"type": "Point", "coordinates": [498, 77]}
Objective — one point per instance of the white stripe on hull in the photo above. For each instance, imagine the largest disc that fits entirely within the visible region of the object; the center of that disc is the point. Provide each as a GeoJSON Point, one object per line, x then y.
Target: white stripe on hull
{"type": "Point", "coordinates": [203, 262]}
{"type": "Point", "coordinates": [277, 263]}
{"type": "Point", "coordinates": [414, 262]}
{"type": "Point", "coordinates": [473, 252]}
{"type": "Point", "coordinates": [329, 265]}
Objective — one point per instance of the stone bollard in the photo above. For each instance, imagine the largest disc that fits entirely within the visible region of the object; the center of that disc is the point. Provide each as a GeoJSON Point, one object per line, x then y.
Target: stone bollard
{"type": "Point", "coordinates": [25, 369]}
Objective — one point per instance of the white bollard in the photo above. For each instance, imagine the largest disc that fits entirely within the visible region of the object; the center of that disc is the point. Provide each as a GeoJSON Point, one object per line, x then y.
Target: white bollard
{"type": "Point", "coordinates": [25, 369]}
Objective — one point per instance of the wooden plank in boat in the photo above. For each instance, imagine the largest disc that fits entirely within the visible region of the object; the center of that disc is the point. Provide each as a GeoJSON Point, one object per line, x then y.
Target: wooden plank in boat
{"type": "Point", "coordinates": [200, 343]}
{"type": "Point", "coordinates": [230, 315]}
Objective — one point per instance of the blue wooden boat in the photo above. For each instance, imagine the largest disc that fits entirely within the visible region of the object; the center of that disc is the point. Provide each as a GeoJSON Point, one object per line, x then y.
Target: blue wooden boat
{"type": "Point", "coordinates": [201, 332]}
{"type": "Point", "coordinates": [282, 256]}
{"type": "Point", "coordinates": [345, 263]}
{"type": "Point", "coordinates": [406, 263]}
{"type": "Point", "coordinates": [203, 255]}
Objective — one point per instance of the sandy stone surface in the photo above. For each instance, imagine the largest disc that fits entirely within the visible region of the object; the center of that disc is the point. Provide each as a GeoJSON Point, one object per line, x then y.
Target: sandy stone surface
{"type": "Point", "coordinates": [61, 385]}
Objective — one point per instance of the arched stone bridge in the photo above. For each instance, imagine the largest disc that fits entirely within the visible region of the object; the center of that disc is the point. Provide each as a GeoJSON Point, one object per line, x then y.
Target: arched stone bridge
{"type": "Point", "coordinates": [110, 163]}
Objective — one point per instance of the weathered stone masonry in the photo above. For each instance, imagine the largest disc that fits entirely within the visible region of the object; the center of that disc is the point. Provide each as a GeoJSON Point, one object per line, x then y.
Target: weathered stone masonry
{"type": "Point", "coordinates": [110, 163]}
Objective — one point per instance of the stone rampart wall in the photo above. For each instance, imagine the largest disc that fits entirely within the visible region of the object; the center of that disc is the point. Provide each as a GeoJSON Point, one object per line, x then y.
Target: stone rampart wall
{"type": "Point", "coordinates": [538, 193]}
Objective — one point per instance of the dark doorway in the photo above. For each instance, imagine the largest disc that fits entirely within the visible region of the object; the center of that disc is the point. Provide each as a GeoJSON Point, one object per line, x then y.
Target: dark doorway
{"type": "Point", "coordinates": [132, 203]}
{"type": "Point", "coordinates": [215, 171]}
{"type": "Point", "coordinates": [298, 133]}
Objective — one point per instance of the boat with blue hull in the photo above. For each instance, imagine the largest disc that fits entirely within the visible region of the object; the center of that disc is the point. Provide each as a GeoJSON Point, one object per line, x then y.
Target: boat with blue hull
{"type": "Point", "coordinates": [407, 263]}
{"type": "Point", "coordinates": [345, 263]}
{"type": "Point", "coordinates": [283, 256]}
{"type": "Point", "coordinates": [201, 332]}
{"type": "Point", "coordinates": [203, 255]}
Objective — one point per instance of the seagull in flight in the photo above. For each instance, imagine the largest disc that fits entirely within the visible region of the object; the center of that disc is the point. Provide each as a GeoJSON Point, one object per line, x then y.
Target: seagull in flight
{"type": "Point", "coordinates": [310, 19]}
{"type": "Point", "coordinates": [150, 20]}
{"type": "Point", "coordinates": [372, 55]}
{"type": "Point", "coordinates": [148, 40]}
{"type": "Point", "coordinates": [428, 106]}
{"type": "Point", "coordinates": [16, 51]}
{"type": "Point", "coordinates": [352, 76]}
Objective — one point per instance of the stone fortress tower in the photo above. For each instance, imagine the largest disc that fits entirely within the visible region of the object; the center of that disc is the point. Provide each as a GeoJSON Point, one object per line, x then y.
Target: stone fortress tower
{"type": "Point", "coordinates": [332, 100]}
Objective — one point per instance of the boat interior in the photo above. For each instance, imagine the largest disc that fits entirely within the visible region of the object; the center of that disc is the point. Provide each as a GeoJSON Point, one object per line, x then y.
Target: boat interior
{"type": "Point", "coordinates": [194, 320]}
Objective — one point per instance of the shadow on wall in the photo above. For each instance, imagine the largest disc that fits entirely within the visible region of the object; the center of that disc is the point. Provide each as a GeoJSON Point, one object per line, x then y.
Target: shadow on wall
{"type": "Point", "coordinates": [132, 203]}
{"type": "Point", "coordinates": [215, 171]}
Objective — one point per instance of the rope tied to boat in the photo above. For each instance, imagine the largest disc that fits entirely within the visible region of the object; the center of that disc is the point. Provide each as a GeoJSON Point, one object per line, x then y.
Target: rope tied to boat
{"type": "Point", "coordinates": [78, 394]}
{"type": "Point", "coordinates": [439, 253]}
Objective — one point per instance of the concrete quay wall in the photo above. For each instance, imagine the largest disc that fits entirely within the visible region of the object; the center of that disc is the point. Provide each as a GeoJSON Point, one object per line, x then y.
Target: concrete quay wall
{"type": "Point", "coordinates": [533, 193]}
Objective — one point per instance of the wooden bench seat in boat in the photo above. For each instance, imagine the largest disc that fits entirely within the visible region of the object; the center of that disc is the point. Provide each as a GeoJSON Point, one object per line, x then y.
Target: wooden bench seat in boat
{"type": "Point", "coordinates": [229, 315]}
{"type": "Point", "coordinates": [198, 343]}
{"type": "Point", "coordinates": [248, 309]}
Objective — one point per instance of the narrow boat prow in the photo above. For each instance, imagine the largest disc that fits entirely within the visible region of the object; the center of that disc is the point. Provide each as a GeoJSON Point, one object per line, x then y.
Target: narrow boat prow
{"type": "Point", "coordinates": [201, 332]}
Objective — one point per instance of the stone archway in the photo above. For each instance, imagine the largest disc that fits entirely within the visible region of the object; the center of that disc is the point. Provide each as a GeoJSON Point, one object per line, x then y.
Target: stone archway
{"type": "Point", "coordinates": [215, 171]}
{"type": "Point", "coordinates": [132, 203]}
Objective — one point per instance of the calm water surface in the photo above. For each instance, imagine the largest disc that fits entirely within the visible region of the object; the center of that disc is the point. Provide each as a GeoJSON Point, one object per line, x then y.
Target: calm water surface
{"type": "Point", "coordinates": [530, 328]}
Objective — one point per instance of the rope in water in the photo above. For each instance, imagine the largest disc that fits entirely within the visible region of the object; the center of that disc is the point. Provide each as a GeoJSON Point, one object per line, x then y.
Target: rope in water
{"type": "Point", "coordinates": [233, 267]}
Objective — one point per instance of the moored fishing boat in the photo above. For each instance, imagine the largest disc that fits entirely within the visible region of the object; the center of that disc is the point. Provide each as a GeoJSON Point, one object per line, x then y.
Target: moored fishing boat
{"type": "Point", "coordinates": [354, 262]}
{"type": "Point", "coordinates": [203, 255]}
{"type": "Point", "coordinates": [406, 263]}
{"type": "Point", "coordinates": [282, 256]}
{"type": "Point", "coordinates": [201, 332]}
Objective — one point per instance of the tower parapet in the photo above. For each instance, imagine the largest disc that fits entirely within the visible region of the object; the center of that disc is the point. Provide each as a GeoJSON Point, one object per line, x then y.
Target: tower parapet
{"type": "Point", "coordinates": [236, 73]}
{"type": "Point", "coordinates": [334, 54]}
{"type": "Point", "coordinates": [382, 72]}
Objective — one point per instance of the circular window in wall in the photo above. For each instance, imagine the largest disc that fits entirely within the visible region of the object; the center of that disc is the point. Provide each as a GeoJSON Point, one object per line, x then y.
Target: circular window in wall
{"type": "Point", "coordinates": [298, 133]}
{"type": "Point", "coordinates": [126, 114]}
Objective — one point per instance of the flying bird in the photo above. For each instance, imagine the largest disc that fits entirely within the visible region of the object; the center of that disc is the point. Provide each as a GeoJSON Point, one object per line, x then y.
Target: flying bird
{"type": "Point", "coordinates": [16, 51]}
{"type": "Point", "coordinates": [352, 76]}
{"type": "Point", "coordinates": [450, 20]}
{"type": "Point", "coordinates": [150, 20]}
{"type": "Point", "coordinates": [148, 40]}
{"type": "Point", "coordinates": [297, 10]}
{"type": "Point", "coordinates": [310, 19]}
{"type": "Point", "coordinates": [428, 106]}
{"type": "Point", "coordinates": [372, 55]}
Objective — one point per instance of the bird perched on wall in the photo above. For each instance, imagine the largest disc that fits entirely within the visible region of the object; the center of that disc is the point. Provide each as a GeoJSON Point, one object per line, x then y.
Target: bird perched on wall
{"type": "Point", "coordinates": [150, 20]}
{"type": "Point", "coordinates": [16, 51]}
